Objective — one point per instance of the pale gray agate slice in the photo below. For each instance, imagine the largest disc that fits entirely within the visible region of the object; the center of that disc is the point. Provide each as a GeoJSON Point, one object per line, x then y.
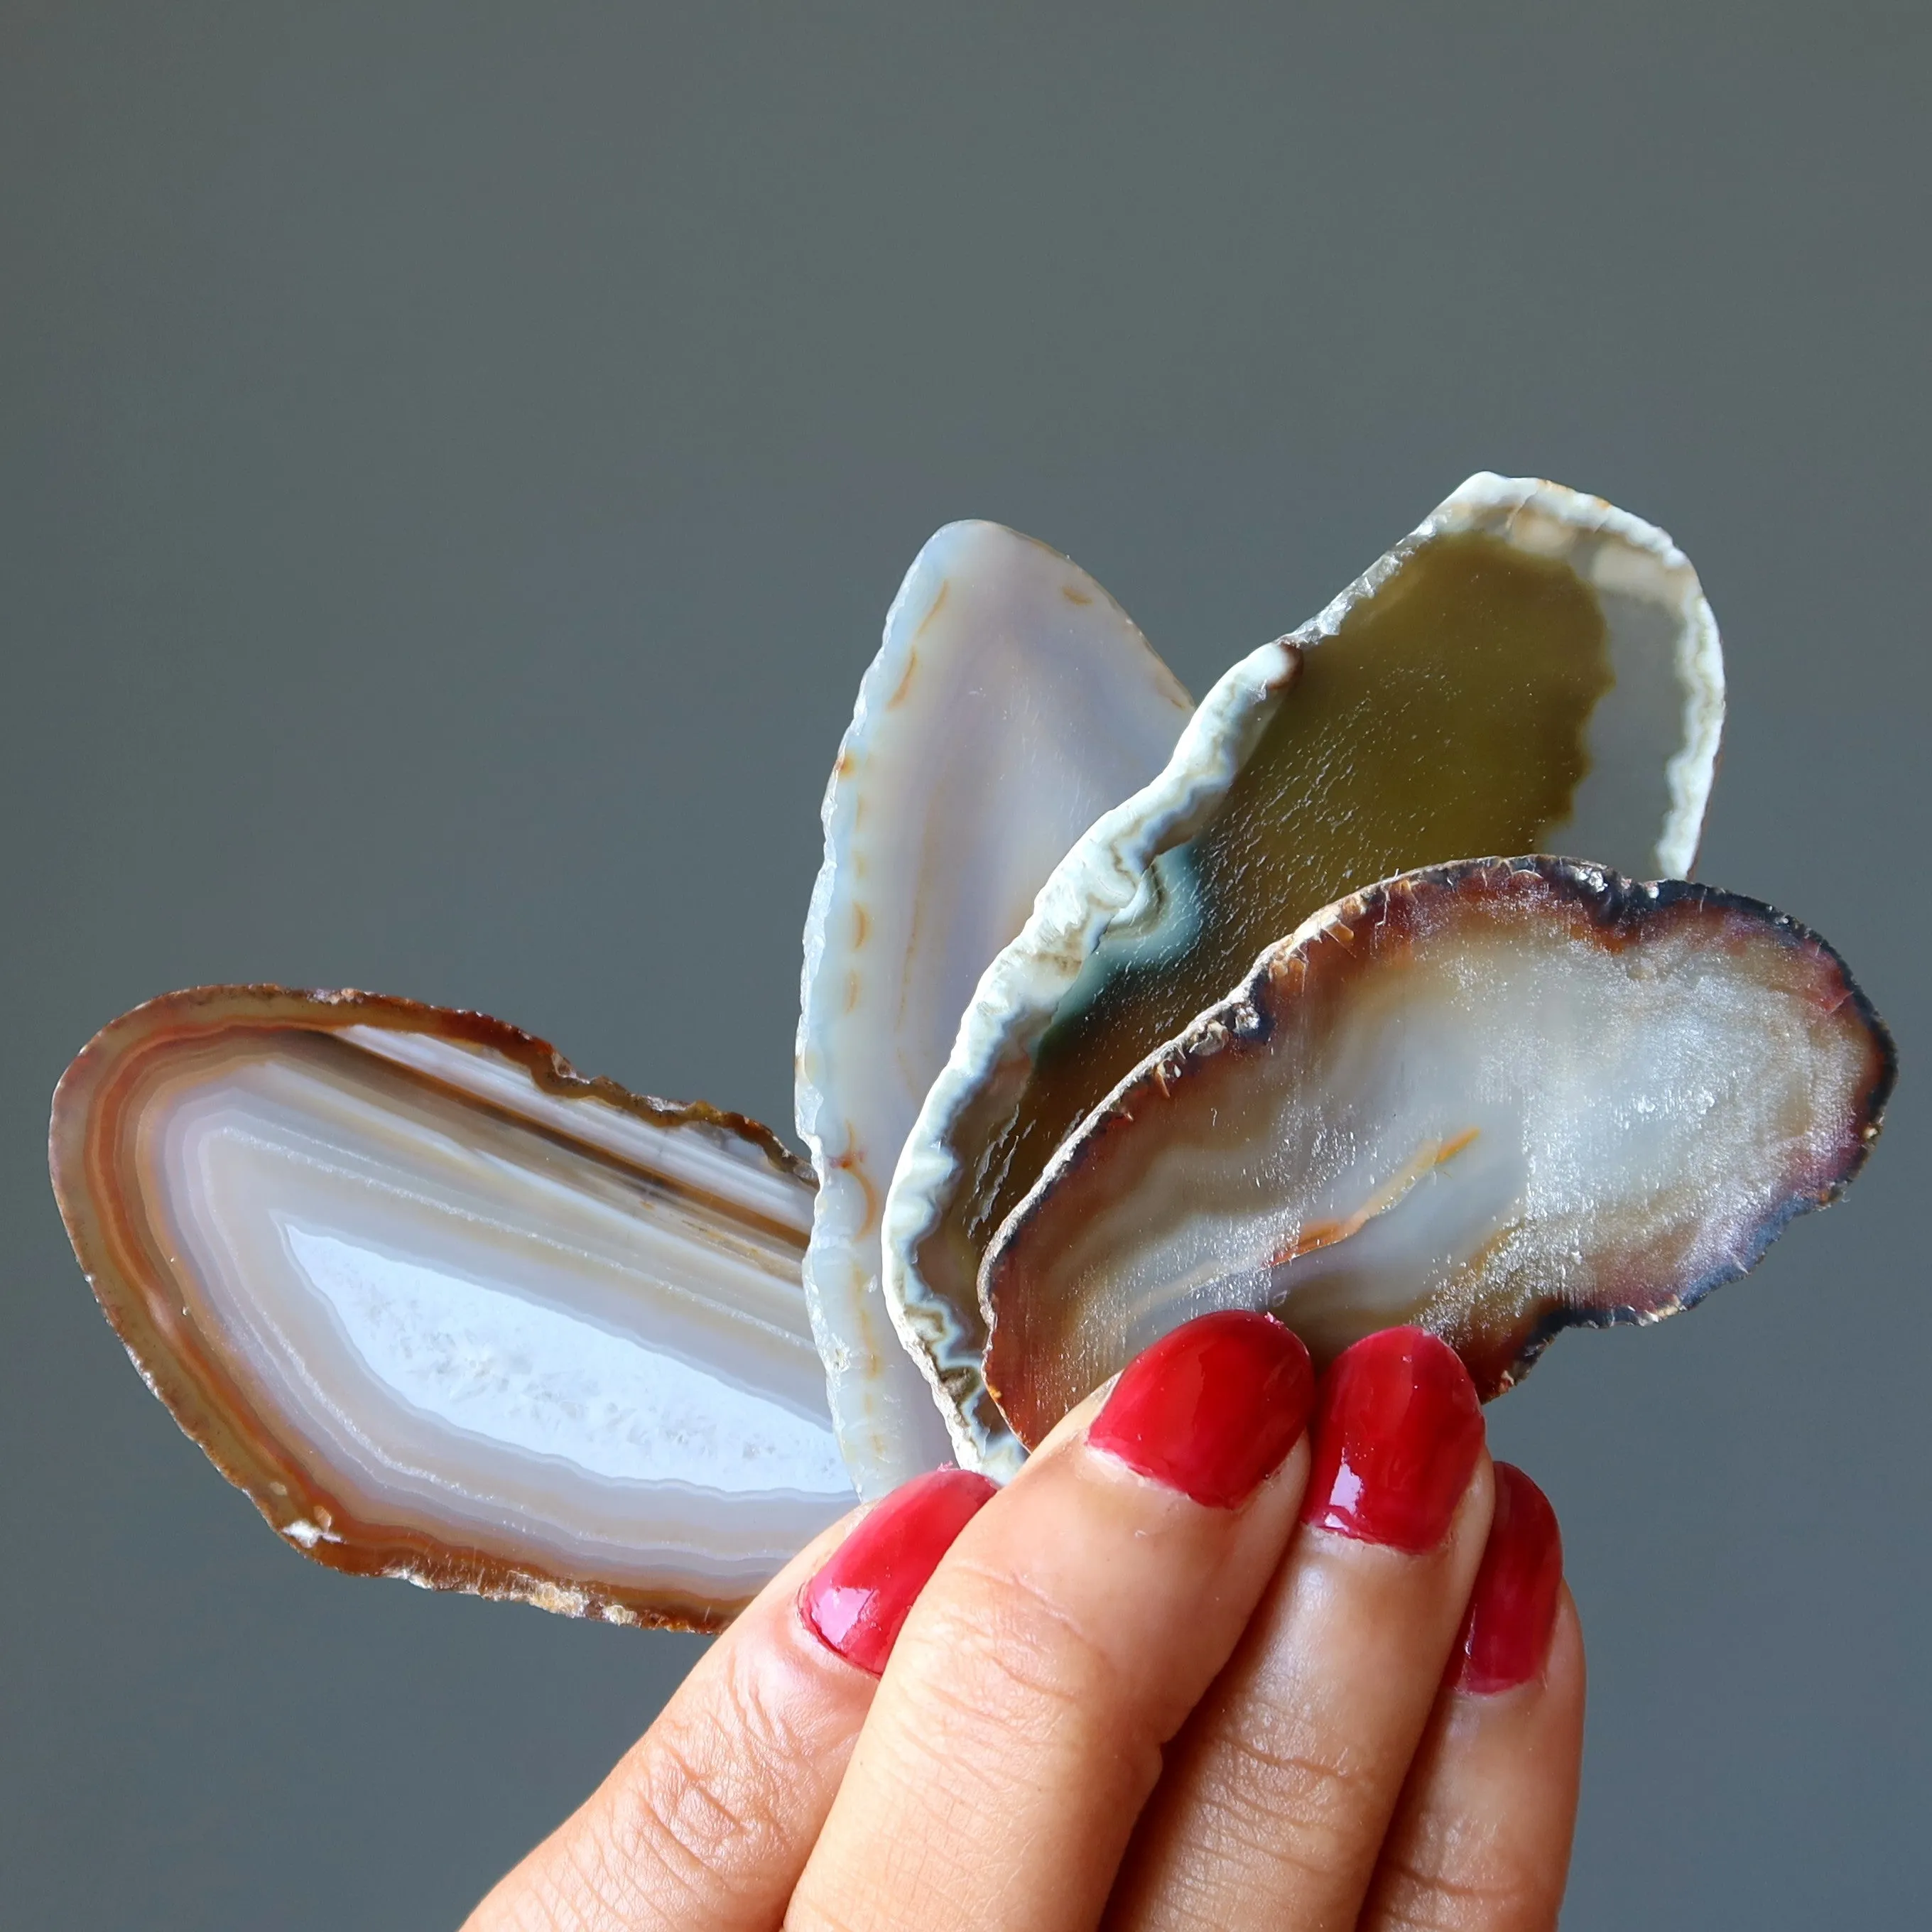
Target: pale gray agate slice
{"type": "Point", "coordinates": [1012, 702]}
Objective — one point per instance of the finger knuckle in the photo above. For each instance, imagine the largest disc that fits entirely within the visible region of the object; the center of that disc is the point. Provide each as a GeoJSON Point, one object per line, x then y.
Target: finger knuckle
{"type": "Point", "coordinates": [1021, 1658]}
{"type": "Point", "coordinates": [1295, 1808]}
{"type": "Point", "coordinates": [707, 1788]}
{"type": "Point", "coordinates": [1449, 1878]}
{"type": "Point", "coordinates": [1009, 1682]}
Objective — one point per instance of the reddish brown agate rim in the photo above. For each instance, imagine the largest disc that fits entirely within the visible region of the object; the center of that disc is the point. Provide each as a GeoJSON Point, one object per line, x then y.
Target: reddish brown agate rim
{"type": "Point", "coordinates": [95, 1108]}
{"type": "Point", "coordinates": [1357, 935]}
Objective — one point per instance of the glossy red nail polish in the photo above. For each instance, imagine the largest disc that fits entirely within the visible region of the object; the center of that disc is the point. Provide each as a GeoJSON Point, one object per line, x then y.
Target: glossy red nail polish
{"type": "Point", "coordinates": [1397, 1431]}
{"type": "Point", "coordinates": [1513, 1607]}
{"type": "Point", "coordinates": [858, 1602]}
{"type": "Point", "coordinates": [1211, 1410]}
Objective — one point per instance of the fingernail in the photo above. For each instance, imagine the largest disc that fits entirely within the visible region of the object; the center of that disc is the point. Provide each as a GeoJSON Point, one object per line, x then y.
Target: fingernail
{"type": "Point", "coordinates": [1397, 1431]}
{"type": "Point", "coordinates": [858, 1602]}
{"type": "Point", "coordinates": [1513, 1608]}
{"type": "Point", "coordinates": [1211, 1410]}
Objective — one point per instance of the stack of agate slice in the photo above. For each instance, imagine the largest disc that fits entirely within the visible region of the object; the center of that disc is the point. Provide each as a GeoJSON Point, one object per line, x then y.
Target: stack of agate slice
{"type": "Point", "coordinates": [1369, 990]}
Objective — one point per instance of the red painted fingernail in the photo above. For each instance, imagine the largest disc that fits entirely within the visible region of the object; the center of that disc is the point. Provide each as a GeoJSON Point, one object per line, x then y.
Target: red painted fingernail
{"type": "Point", "coordinates": [857, 1604]}
{"type": "Point", "coordinates": [1397, 1432]}
{"type": "Point", "coordinates": [1211, 1410]}
{"type": "Point", "coordinates": [1513, 1608]}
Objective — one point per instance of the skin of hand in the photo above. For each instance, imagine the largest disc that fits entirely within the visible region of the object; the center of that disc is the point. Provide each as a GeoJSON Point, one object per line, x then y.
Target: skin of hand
{"type": "Point", "coordinates": [1230, 1651]}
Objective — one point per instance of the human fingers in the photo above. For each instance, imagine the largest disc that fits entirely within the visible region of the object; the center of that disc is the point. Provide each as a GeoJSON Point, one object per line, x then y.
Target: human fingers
{"type": "Point", "coordinates": [1481, 1841]}
{"type": "Point", "coordinates": [1278, 1793]}
{"type": "Point", "coordinates": [1020, 1724]}
{"type": "Point", "coordinates": [706, 1825]}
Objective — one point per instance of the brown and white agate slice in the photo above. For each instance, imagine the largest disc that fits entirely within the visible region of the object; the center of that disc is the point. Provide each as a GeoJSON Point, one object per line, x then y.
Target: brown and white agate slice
{"type": "Point", "coordinates": [448, 1311]}
{"type": "Point", "coordinates": [1495, 1099]}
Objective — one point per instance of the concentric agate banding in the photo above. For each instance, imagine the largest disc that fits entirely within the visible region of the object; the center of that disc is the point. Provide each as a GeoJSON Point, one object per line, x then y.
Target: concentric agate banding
{"type": "Point", "coordinates": [448, 1310]}
{"type": "Point", "coordinates": [1497, 1099]}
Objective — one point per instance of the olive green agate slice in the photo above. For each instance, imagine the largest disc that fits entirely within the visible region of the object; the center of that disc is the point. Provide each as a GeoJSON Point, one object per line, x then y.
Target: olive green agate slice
{"type": "Point", "coordinates": [1530, 671]}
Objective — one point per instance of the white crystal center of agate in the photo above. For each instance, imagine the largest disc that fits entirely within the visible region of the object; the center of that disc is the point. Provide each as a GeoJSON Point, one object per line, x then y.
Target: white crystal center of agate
{"type": "Point", "coordinates": [543, 1379]}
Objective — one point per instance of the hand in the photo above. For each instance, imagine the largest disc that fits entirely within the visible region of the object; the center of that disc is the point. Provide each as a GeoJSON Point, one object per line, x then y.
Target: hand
{"type": "Point", "coordinates": [1202, 1664]}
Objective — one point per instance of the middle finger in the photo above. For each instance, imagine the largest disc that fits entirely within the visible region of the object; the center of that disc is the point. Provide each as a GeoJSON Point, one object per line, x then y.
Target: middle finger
{"type": "Point", "coordinates": [1019, 1725]}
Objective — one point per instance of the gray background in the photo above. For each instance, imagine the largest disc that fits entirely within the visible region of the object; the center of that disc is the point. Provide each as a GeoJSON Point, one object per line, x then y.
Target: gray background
{"type": "Point", "coordinates": [453, 463]}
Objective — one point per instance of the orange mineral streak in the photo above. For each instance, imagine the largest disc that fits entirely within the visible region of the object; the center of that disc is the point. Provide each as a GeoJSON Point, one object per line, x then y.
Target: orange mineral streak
{"type": "Point", "coordinates": [904, 689]}
{"type": "Point", "coordinates": [853, 1162]}
{"type": "Point", "coordinates": [102, 1180]}
{"type": "Point", "coordinates": [1319, 1234]}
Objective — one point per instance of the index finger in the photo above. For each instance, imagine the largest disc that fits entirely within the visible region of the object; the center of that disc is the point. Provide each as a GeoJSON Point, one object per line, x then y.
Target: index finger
{"type": "Point", "coordinates": [705, 1824]}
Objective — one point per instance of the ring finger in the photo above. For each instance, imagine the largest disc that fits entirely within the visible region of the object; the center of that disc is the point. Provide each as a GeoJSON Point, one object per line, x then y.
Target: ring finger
{"type": "Point", "coordinates": [1482, 1840]}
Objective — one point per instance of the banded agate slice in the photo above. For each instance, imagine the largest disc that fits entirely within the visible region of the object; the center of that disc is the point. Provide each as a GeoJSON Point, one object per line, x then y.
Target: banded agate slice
{"type": "Point", "coordinates": [1495, 1100]}
{"type": "Point", "coordinates": [447, 1310]}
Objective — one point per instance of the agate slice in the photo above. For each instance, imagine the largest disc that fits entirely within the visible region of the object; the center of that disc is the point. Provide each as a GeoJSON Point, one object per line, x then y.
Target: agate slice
{"type": "Point", "coordinates": [1012, 702]}
{"type": "Point", "coordinates": [448, 1311]}
{"type": "Point", "coordinates": [1531, 670]}
{"type": "Point", "coordinates": [1496, 1099]}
